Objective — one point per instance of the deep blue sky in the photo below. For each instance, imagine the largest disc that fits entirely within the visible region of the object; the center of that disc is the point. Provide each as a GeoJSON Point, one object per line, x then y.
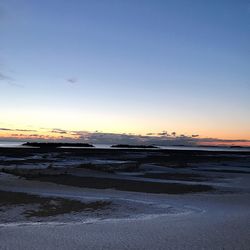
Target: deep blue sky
{"type": "Point", "coordinates": [126, 66]}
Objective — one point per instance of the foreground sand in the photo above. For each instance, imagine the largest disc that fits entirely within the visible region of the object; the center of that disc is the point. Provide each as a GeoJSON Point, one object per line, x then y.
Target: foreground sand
{"type": "Point", "coordinates": [210, 221]}
{"type": "Point", "coordinates": [196, 231]}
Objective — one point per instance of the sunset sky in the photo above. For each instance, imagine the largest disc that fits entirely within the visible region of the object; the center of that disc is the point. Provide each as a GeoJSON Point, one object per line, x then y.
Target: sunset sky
{"type": "Point", "coordinates": [70, 68]}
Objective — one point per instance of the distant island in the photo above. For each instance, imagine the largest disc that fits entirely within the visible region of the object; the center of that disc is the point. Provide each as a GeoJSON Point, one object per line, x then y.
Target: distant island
{"type": "Point", "coordinates": [132, 146]}
{"type": "Point", "coordinates": [56, 144]}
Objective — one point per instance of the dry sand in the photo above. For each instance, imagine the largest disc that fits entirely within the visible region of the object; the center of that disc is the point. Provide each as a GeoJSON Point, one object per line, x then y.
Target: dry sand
{"type": "Point", "coordinates": [204, 221]}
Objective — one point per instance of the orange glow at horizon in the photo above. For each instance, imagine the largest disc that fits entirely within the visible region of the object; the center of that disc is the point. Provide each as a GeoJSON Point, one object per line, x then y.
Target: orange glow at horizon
{"type": "Point", "coordinates": [235, 143]}
{"type": "Point", "coordinates": [48, 134]}
{"type": "Point", "coordinates": [37, 135]}
{"type": "Point", "coordinates": [111, 122]}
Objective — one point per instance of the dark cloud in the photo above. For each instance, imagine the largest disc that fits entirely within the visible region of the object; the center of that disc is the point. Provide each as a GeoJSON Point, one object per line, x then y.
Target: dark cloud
{"type": "Point", "coordinates": [16, 129]}
{"type": "Point", "coordinates": [163, 133]}
{"type": "Point", "coordinates": [6, 129]}
{"type": "Point", "coordinates": [111, 138]}
{"type": "Point", "coordinates": [195, 136]}
{"type": "Point", "coordinates": [182, 135]}
{"type": "Point", "coordinates": [59, 131]}
{"type": "Point", "coordinates": [173, 133]}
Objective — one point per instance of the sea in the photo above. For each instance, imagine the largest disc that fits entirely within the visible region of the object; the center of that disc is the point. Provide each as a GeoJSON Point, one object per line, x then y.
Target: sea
{"type": "Point", "coordinates": [19, 144]}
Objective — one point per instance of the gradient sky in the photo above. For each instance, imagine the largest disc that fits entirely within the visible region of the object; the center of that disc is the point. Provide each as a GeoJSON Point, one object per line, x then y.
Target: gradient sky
{"type": "Point", "coordinates": [126, 66]}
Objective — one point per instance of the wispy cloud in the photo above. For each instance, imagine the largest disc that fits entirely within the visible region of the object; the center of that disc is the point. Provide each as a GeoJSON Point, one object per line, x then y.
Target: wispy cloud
{"type": "Point", "coordinates": [9, 80]}
{"type": "Point", "coordinates": [72, 80]}
{"type": "Point", "coordinates": [17, 129]}
{"type": "Point", "coordinates": [59, 131]}
{"type": "Point", "coordinates": [4, 77]}
{"type": "Point", "coordinates": [6, 129]}
{"type": "Point", "coordinates": [26, 130]}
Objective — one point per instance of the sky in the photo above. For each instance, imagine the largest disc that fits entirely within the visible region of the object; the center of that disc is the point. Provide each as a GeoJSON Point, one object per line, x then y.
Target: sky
{"type": "Point", "coordinates": [140, 68]}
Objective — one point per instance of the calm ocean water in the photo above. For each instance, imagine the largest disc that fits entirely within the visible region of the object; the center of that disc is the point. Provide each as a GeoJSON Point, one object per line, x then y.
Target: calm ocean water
{"type": "Point", "coordinates": [18, 144]}
{"type": "Point", "coordinates": [11, 144]}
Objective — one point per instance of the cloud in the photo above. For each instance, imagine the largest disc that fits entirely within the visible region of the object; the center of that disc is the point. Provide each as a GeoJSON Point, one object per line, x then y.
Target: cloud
{"type": "Point", "coordinates": [150, 138]}
{"type": "Point", "coordinates": [13, 84]}
{"type": "Point", "coordinates": [195, 136]}
{"type": "Point", "coordinates": [163, 133]}
{"type": "Point", "coordinates": [72, 80]}
{"type": "Point", "coordinates": [160, 139]}
{"type": "Point", "coordinates": [204, 140]}
{"type": "Point", "coordinates": [6, 129]}
{"type": "Point", "coordinates": [26, 130]}
{"type": "Point", "coordinates": [19, 130]}
{"type": "Point", "coordinates": [4, 77]}
{"type": "Point", "coordinates": [59, 131]}
{"type": "Point", "coordinates": [10, 81]}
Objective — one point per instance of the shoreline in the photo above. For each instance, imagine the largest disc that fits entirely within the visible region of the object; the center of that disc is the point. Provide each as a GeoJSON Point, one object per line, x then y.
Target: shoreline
{"type": "Point", "coordinates": [114, 149]}
{"type": "Point", "coordinates": [22, 145]}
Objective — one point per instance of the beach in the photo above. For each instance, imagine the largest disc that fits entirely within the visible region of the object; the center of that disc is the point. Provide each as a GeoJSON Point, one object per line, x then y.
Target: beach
{"type": "Point", "coordinates": [124, 199]}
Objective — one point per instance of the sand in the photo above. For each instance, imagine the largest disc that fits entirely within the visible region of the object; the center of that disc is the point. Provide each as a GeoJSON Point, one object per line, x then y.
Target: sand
{"type": "Point", "coordinates": [217, 219]}
{"type": "Point", "coordinates": [201, 221]}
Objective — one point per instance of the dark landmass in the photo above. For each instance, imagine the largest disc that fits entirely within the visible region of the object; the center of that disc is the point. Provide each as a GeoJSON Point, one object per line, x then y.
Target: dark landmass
{"type": "Point", "coordinates": [56, 145]}
{"type": "Point", "coordinates": [132, 146]}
